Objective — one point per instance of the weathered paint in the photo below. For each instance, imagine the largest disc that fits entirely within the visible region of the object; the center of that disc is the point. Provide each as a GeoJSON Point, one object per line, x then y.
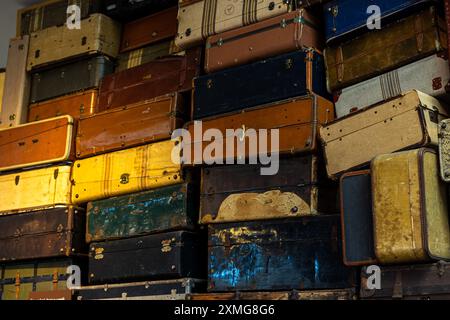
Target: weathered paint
{"type": "Point", "coordinates": [159, 210]}
{"type": "Point", "coordinates": [279, 255]}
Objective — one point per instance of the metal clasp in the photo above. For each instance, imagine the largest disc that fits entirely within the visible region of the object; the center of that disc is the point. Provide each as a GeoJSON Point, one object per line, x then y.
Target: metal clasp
{"type": "Point", "coordinates": [125, 178]}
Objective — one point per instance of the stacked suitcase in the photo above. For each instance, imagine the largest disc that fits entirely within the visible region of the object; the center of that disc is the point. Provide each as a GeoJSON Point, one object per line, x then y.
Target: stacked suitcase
{"type": "Point", "coordinates": [216, 150]}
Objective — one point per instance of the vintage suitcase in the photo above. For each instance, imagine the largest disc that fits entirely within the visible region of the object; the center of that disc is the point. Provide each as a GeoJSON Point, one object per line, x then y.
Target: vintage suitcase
{"type": "Point", "coordinates": [345, 18]}
{"type": "Point", "coordinates": [35, 189]}
{"type": "Point", "coordinates": [233, 193]}
{"type": "Point", "coordinates": [296, 120]}
{"type": "Point", "coordinates": [111, 174]}
{"type": "Point", "coordinates": [342, 294]}
{"type": "Point", "coordinates": [402, 42]}
{"type": "Point", "coordinates": [447, 18]}
{"type": "Point", "coordinates": [98, 34]}
{"type": "Point", "coordinates": [171, 255]}
{"type": "Point", "coordinates": [57, 232]}
{"type": "Point", "coordinates": [69, 78]}
{"type": "Point", "coordinates": [199, 19]}
{"type": "Point", "coordinates": [148, 30]}
{"type": "Point", "coordinates": [444, 149]}
{"type": "Point", "coordinates": [150, 80]}
{"type": "Point", "coordinates": [150, 290]}
{"type": "Point", "coordinates": [80, 104]}
{"type": "Point", "coordinates": [126, 10]}
{"type": "Point", "coordinates": [17, 84]}
{"type": "Point", "coordinates": [2, 86]}
{"type": "Point", "coordinates": [277, 255]}
{"type": "Point", "coordinates": [38, 143]}
{"type": "Point", "coordinates": [268, 38]}
{"type": "Point", "coordinates": [18, 280]}
{"type": "Point", "coordinates": [50, 13]}
{"type": "Point", "coordinates": [410, 211]}
{"type": "Point", "coordinates": [356, 218]}
{"type": "Point", "coordinates": [155, 211]}
{"type": "Point", "coordinates": [137, 57]}
{"type": "Point", "coordinates": [406, 122]}
{"type": "Point", "coordinates": [412, 282]}
{"type": "Point", "coordinates": [430, 75]}
{"type": "Point", "coordinates": [289, 75]}
{"type": "Point", "coordinates": [144, 122]}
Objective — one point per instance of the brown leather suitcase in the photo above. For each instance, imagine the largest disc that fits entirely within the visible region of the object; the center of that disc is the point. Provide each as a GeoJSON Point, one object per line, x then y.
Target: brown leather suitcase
{"type": "Point", "coordinates": [150, 80]}
{"type": "Point", "coordinates": [76, 105]}
{"type": "Point", "coordinates": [44, 142]}
{"type": "Point", "coordinates": [268, 38]}
{"type": "Point", "coordinates": [151, 29]}
{"type": "Point", "coordinates": [144, 122]}
{"type": "Point", "coordinates": [296, 119]}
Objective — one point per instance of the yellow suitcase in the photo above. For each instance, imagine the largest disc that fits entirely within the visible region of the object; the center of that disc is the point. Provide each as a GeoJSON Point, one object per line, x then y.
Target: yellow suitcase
{"type": "Point", "coordinates": [35, 189]}
{"type": "Point", "coordinates": [126, 171]}
{"type": "Point", "coordinates": [411, 222]}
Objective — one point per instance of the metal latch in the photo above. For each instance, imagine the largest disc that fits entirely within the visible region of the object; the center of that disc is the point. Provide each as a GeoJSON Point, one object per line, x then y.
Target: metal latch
{"type": "Point", "coordinates": [283, 23]}
{"type": "Point", "coordinates": [288, 64]}
{"type": "Point", "coordinates": [125, 178]}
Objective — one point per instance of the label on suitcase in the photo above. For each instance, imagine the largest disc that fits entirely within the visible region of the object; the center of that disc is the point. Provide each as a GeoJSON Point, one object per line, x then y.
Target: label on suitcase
{"type": "Point", "coordinates": [357, 219]}
{"type": "Point", "coordinates": [234, 193]}
{"type": "Point", "coordinates": [150, 80]}
{"type": "Point", "coordinates": [199, 19]}
{"type": "Point", "coordinates": [52, 13]}
{"type": "Point", "coordinates": [76, 105]}
{"type": "Point", "coordinates": [170, 255]}
{"type": "Point", "coordinates": [35, 189]}
{"type": "Point", "coordinates": [404, 41]}
{"type": "Point", "coordinates": [126, 171]}
{"type": "Point", "coordinates": [69, 78]}
{"type": "Point", "coordinates": [264, 39]}
{"type": "Point", "coordinates": [160, 210]}
{"type": "Point", "coordinates": [345, 18]}
{"type": "Point", "coordinates": [137, 57]}
{"type": "Point", "coordinates": [410, 210]}
{"type": "Point", "coordinates": [98, 34]}
{"type": "Point", "coordinates": [413, 282]}
{"type": "Point", "coordinates": [38, 143]}
{"type": "Point", "coordinates": [133, 125]}
{"type": "Point", "coordinates": [278, 255]}
{"type": "Point", "coordinates": [294, 121]}
{"type": "Point", "coordinates": [126, 10]}
{"type": "Point", "coordinates": [149, 290]}
{"type": "Point", "coordinates": [430, 75]}
{"type": "Point", "coordinates": [43, 234]}
{"type": "Point", "coordinates": [17, 84]}
{"type": "Point", "coordinates": [290, 75]}
{"type": "Point", "coordinates": [151, 29]}
{"type": "Point", "coordinates": [407, 122]}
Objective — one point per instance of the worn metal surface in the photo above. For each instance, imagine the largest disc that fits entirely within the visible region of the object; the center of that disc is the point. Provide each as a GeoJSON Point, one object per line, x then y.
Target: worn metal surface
{"type": "Point", "coordinates": [240, 193]}
{"type": "Point", "coordinates": [282, 255]}
{"type": "Point", "coordinates": [285, 76]}
{"type": "Point", "coordinates": [376, 52]}
{"type": "Point", "coordinates": [160, 210]}
{"type": "Point", "coordinates": [69, 78]}
{"type": "Point", "coordinates": [406, 122]}
{"type": "Point", "coordinates": [169, 255]}
{"type": "Point", "coordinates": [144, 122]}
{"type": "Point", "coordinates": [150, 80]}
{"type": "Point", "coordinates": [43, 142]}
{"type": "Point", "coordinates": [412, 282]}
{"type": "Point", "coordinates": [410, 211]}
{"type": "Point", "coordinates": [43, 234]}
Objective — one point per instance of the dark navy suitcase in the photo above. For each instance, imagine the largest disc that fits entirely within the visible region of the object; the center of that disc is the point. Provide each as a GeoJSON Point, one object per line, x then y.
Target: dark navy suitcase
{"type": "Point", "coordinates": [289, 75]}
{"type": "Point", "coordinates": [356, 218]}
{"type": "Point", "coordinates": [277, 255]}
{"type": "Point", "coordinates": [128, 10]}
{"type": "Point", "coordinates": [346, 17]}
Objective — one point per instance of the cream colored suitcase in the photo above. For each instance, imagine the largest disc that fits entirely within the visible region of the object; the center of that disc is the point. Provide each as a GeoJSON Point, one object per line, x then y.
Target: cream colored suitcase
{"type": "Point", "coordinates": [98, 34]}
{"type": "Point", "coordinates": [131, 59]}
{"type": "Point", "coordinates": [35, 189]}
{"type": "Point", "coordinates": [16, 91]}
{"type": "Point", "coordinates": [199, 19]}
{"type": "Point", "coordinates": [407, 122]}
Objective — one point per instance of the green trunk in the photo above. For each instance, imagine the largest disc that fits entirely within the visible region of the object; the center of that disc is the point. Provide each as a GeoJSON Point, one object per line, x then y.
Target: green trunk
{"type": "Point", "coordinates": [159, 210]}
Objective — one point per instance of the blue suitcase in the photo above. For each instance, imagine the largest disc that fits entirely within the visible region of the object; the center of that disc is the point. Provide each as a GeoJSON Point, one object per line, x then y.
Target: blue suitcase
{"type": "Point", "coordinates": [282, 77]}
{"type": "Point", "coordinates": [344, 18]}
